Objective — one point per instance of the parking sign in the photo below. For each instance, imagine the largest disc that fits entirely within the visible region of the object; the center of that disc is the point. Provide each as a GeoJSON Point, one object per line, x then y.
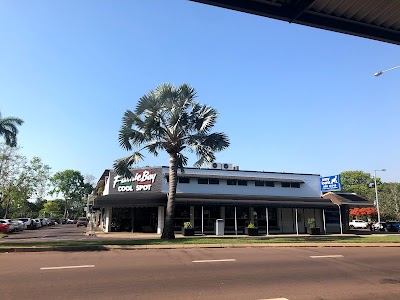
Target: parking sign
{"type": "Point", "coordinates": [330, 183]}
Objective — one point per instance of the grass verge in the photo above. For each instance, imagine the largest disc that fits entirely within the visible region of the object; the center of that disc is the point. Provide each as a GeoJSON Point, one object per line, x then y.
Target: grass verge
{"type": "Point", "coordinates": [201, 240]}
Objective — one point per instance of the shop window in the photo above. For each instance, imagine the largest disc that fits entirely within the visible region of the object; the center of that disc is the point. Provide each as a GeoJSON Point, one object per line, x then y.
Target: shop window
{"type": "Point", "coordinates": [202, 180]}
{"type": "Point", "coordinates": [184, 180]}
{"type": "Point", "coordinates": [285, 184]}
{"type": "Point", "coordinates": [270, 183]}
{"type": "Point", "coordinates": [231, 182]}
{"type": "Point", "coordinates": [259, 183]}
{"type": "Point", "coordinates": [295, 185]}
{"type": "Point", "coordinates": [242, 182]}
{"type": "Point", "coordinates": [213, 181]}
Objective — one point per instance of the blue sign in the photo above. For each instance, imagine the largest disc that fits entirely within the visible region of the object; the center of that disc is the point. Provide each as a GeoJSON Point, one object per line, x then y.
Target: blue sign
{"type": "Point", "coordinates": [330, 183]}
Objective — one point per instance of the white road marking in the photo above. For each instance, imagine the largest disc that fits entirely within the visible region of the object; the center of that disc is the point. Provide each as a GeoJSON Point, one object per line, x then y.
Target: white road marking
{"type": "Point", "coordinates": [213, 260]}
{"type": "Point", "coordinates": [326, 256]}
{"type": "Point", "coordinates": [68, 267]}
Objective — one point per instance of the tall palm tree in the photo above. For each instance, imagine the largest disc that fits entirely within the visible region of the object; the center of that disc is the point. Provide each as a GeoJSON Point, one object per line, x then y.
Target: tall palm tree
{"type": "Point", "coordinates": [169, 119]}
{"type": "Point", "coordinates": [8, 129]}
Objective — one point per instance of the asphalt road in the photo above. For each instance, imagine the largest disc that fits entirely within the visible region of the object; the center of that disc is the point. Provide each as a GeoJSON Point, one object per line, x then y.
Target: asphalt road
{"type": "Point", "coordinates": [249, 273]}
{"type": "Point", "coordinates": [48, 233]}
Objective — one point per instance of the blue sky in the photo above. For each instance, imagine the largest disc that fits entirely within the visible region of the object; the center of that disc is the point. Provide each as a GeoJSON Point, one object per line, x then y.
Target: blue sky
{"type": "Point", "coordinates": [291, 98]}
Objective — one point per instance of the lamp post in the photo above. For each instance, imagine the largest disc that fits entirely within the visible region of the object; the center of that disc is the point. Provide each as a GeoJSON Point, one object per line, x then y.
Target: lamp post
{"type": "Point", "coordinates": [381, 72]}
{"type": "Point", "coordinates": [376, 194]}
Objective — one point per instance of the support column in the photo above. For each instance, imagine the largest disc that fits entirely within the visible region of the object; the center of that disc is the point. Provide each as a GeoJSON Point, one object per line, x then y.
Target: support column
{"type": "Point", "coordinates": [297, 224]}
{"type": "Point", "coordinates": [340, 220]}
{"type": "Point", "coordinates": [267, 219]}
{"type": "Point", "coordinates": [323, 218]}
{"type": "Point", "coordinates": [108, 216]}
{"type": "Point", "coordinates": [251, 213]}
{"type": "Point", "coordinates": [160, 222]}
{"type": "Point", "coordinates": [235, 222]}
{"type": "Point", "coordinates": [192, 215]}
{"type": "Point", "coordinates": [202, 220]}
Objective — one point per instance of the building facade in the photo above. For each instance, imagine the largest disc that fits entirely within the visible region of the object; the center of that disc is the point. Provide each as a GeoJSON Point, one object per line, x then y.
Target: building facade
{"type": "Point", "coordinates": [276, 203]}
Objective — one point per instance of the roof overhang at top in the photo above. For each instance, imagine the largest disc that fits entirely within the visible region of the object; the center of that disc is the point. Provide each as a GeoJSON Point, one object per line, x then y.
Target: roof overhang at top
{"type": "Point", "coordinates": [349, 199]}
{"type": "Point", "coordinates": [228, 177]}
{"type": "Point", "coordinates": [377, 20]}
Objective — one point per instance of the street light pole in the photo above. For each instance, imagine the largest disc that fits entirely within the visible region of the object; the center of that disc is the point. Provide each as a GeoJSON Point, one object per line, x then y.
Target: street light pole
{"type": "Point", "coordinates": [376, 195]}
{"type": "Point", "coordinates": [381, 72]}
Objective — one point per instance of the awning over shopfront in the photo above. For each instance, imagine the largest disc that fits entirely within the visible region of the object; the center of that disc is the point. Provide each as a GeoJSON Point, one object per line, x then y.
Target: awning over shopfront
{"type": "Point", "coordinates": [131, 200]}
{"type": "Point", "coordinates": [251, 200]}
{"type": "Point", "coordinates": [349, 199]}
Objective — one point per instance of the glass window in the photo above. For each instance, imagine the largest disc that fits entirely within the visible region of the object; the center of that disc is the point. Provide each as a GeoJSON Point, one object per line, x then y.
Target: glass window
{"type": "Point", "coordinates": [295, 184]}
{"type": "Point", "coordinates": [231, 182]}
{"type": "Point", "coordinates": [259, 183]}
{"type": "Point", "coordinates": [202, 181]}
{"type": "Point", "coordinates": [213, 181]}
{"type": "Point", "coordinates": [184, 180]}
{"type": "Point", "coordinates": [285, 184]}
{"type": "Point", "coordinates": [242, 182]}
{"type": "Point", "coordinates": [270, 183]}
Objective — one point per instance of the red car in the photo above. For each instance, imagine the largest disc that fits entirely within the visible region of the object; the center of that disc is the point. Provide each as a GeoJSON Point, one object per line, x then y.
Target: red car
{"type": "Point", "coordinates": [4, 228]}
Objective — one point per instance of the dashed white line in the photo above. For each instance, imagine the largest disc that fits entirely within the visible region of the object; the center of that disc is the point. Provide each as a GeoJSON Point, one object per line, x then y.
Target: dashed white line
{"type": "Point", "coordinates": [67, 267]}
{"type": "Point", "coordinates": [213, 260]}
{"type": "Point", "coordinates": [326, 256]}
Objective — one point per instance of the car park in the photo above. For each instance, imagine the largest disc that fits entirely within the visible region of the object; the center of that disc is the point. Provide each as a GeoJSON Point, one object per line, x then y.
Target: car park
{"type": "Point", "coordinates": [358, 224]}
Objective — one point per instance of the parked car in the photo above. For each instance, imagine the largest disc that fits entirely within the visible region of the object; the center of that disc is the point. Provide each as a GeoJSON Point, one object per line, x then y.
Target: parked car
{"type": "Point", "coordinates": [19, 225]}
{"type": "Point", "coordinates": [69, 221]}
{"type": "Point", "coordinates": [28, 223]}
{"type": "Point", "coordinates": [82, 222]}
{"type": "Point", "coordinates": [4, 228]}
{"type": "Point", "coordinates": [13, 226]}
{"type": "Point", "coordinates": [43, 221]}
{"type": "Point", "coordinates": [358, 224]}
{"type": "Point", "coordinates": [393, 226]}
{"type": "Point", "coordinates": [38, 223]}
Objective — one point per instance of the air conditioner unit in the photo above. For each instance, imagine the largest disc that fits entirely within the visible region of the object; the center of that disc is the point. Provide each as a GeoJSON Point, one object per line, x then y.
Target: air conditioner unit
{"type": "Point", "coordinates": [216, 166]}
{"type": "Point", "coordinates": [226, 166]}
{"type": "Point", "coordinates": [236, 168]}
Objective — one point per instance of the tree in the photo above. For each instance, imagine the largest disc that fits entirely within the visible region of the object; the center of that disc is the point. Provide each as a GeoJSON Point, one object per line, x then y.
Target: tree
{"type": "Point", "coordinates": [358, 182]}
{"type": "Point", "coordinates": [365, 211]}
{"type": "Point", "coordinates": [55, 208]}
{"type": "Point", "coordinates": [169, 119]}
{"type": "Point", "coordinates": [389, 200]}
{"type": "Point", "coordinates": [70, 184]}
{"type": "Point", "coordinates": [9, 130]}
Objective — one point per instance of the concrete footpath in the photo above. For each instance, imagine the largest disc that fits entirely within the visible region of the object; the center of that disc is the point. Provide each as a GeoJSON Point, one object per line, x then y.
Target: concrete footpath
{"type": "Point", "coordinates": [98, 235]}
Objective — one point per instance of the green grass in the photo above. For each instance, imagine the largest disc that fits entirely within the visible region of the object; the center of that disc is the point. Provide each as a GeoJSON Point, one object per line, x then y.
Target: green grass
{"type": "Point", "coordinates": [201, 240]}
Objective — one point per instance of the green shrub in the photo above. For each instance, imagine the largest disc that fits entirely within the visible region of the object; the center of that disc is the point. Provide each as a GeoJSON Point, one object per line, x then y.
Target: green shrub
{"type": "Point", "coordinates": [187, 225]}
{"type": "Point", "coordinates": [251, 225]}
{"type": "Point", "coordinates": [311, 222]}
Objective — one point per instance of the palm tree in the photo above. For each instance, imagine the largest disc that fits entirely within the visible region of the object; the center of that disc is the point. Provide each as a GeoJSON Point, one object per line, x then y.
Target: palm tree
{"type": "Point", "coordinates": [8, 128]}
{"type": "Point", "coordinates": [169, 119]}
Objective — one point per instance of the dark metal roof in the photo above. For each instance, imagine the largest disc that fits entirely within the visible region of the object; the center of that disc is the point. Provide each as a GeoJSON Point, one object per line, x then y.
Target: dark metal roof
{"type": "Point", "coordinates": [373, 19]}
{"type": "Point", "coordinates": [226, 177]}
{"type": "Point", "coordinates": [349, 199]}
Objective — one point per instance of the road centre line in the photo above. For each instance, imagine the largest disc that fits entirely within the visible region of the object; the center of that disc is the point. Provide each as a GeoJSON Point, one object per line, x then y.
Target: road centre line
{"type": "Point", "coordinates": [67, 267]}
{"type": "Point", "coordinates": [326, 256]}
{"type": "Point", "coordinates": [213, 260]}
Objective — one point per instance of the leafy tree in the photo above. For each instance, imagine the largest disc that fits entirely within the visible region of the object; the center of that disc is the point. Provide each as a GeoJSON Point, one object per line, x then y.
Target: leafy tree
{"type": "Point", "coordinates": [169, 119]}
{"type": "Point", "coordinates": [70, 184]}
{"type": "Point", "coordinates": [359, 182]}
{"type": "Point", "coordinates": [9, 130]}
{"type": "Point", "coordinates": [55, 208]}
{"type": "Point", "coordinates": [389, 200]}
{"type": "Point", "coordinates": [21, 181]}
{"type": "Point", "coordinates": [368, 212]}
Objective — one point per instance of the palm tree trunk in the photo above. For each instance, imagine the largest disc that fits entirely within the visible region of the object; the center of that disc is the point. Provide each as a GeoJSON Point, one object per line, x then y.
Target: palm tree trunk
{"type": "Point", "coordinates": [65, 209]}
{"type": "Point", "coordinates": [168, 232]}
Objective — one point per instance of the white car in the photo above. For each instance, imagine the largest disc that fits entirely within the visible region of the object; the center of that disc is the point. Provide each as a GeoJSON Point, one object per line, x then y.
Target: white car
{"type": "Point", "coordinates": [38, 223]}
{"type": "Point", "coordinates": [358, 224]}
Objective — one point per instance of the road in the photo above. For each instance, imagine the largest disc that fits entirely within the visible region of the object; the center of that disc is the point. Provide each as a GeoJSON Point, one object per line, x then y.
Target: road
{"type": "Point", "coordinates": [245, 273]}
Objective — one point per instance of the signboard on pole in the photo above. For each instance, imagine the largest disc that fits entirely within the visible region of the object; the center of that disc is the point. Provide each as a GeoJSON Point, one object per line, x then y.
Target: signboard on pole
{"type": "Point", "coordinates": [331, 183]}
